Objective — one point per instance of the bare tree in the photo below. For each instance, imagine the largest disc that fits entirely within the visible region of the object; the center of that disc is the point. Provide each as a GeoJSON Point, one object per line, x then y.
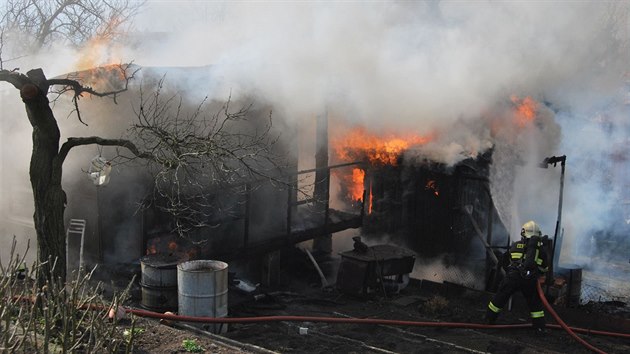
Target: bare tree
{"type": "Point", "coordinates": [194, 154]}
{"type": "Point", "coordinates": [190, 152]}
{"type": "Point", "coordinates": [47, 157]}
{"type": "Point", "coordinates": [32, 25]}
{"type": "Point", "coordinates": [36, 24]}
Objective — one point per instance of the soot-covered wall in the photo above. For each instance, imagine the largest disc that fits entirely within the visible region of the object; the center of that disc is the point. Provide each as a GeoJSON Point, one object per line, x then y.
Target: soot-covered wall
{"type": "Point", "coordinates": [425, 206]}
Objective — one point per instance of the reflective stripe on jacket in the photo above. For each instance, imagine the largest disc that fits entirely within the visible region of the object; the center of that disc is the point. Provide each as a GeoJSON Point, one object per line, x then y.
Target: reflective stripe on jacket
{"type": "Point", "coordinates": [517, 252]}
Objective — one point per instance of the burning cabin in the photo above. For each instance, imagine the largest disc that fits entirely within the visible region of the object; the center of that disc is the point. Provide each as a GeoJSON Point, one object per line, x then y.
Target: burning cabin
{"type": "Point", "coordinates": [439, 211]}
{"type": "Point", "coordinates": [445, 214]}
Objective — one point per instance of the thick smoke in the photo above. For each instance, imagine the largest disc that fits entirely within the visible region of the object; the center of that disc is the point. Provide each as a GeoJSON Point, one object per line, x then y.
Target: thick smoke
{"type": "Point", "coordinates": [445, 67]}
{"type": "Point", "coordinates": [423, 67]}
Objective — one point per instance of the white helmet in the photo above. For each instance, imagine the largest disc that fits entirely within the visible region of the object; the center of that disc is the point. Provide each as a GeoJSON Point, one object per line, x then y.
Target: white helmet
{"type": "Point", "coordinates": [530, 229]}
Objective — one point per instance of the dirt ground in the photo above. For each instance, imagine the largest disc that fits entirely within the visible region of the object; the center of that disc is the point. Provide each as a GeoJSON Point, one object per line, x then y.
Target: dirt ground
{"type": "Point", "coordinates": [159, 338]}
{"type": "Point", "coordinates": [419, 301]}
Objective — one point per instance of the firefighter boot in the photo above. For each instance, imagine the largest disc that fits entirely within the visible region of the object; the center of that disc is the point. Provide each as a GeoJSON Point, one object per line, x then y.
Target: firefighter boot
{"type": "Point", "coordinates": [491, 317]}
{"type": "Point", "coordinates": [538, 324]}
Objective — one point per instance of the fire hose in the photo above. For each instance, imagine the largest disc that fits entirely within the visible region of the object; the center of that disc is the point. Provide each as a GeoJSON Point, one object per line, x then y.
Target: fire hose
{"type": "Point", "coordinates": [345, 320]}
{"type": "Point", "coordinates": [561, 322]}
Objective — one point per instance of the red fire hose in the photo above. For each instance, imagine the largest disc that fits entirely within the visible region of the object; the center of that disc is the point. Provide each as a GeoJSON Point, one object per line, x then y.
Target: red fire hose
{"type": "Point", "coordinates": [150, 314]}
{"type": "Point", "coordinates": [561, 322]}
{"type": "Point", "coordinates": [562, 325]}
{"type": "Point", "coordinates": [172, 317]}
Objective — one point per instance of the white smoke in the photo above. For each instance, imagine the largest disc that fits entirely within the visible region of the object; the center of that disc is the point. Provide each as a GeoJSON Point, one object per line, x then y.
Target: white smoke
{"type": "Point", "coordinates": [421, 67]}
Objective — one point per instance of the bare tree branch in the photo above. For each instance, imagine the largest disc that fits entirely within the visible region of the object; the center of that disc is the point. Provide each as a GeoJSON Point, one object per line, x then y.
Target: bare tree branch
{"type": "Point", "coordinates": [18, 80]}
{"type": "Point", "coordinates": [39, 23]}
{"type": "Point", "coordinates": [199, 157]}
{"type": "Point", "coordinates": [123, 72]}
{"type": "Point", "coordinates": [96, 140]}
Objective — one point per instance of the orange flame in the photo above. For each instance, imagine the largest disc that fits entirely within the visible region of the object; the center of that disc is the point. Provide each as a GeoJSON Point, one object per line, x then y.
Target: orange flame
{"type": "Point", "coordinates": [104, 78]}
{"type": "Point", "coordinates": [526, 110]}
{"type": "Point", "coordinates": [431, 185]}
{"type": "Point", "coordinates": [356, 190]}
{"type": "Point", "coordinates": [358, 144]}
{"type": "Point", "coordinates": [356, 183]}
{"type": "Point", "coordinates": [370, 200]}
{"type": "Point", "coordinates": [98, 52]}
{"type": "Point", "coordinates": [99, 66]}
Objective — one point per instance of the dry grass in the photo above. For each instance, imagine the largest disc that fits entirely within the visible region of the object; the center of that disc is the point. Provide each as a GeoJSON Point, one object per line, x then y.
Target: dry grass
{"type": "Point", "coordinates": [435, 305]}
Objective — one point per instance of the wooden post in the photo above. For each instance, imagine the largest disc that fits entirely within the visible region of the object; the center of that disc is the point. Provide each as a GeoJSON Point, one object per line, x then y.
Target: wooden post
{"type": "Point", "coordinates": [248, 204]}
{"type": "Point", "coordinates": [321, 192]}
{"type": "Point", "coordinates": [271, 269]}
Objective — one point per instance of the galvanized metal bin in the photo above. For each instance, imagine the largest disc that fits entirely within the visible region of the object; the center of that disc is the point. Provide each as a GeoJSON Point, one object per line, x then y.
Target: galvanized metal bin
{"type": "Point", "coordinates": [203, 291]}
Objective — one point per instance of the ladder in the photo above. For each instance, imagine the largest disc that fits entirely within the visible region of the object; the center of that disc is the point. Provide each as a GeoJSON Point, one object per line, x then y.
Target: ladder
{"type": "Point", "coordinates": [76, 228]}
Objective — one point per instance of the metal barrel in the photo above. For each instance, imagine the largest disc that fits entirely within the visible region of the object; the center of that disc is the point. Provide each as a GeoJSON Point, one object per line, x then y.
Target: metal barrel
{"type": "Point", "coordinates": [203, 291]}
{"type": "Point", "coordinates": [575, 286]}
{"type": "Point", "coordinates": [159, 283]}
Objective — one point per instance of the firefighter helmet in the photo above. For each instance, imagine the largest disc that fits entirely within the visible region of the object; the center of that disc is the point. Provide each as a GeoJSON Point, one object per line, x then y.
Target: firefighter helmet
{"type": "Point", "coordinates": [530, 229]}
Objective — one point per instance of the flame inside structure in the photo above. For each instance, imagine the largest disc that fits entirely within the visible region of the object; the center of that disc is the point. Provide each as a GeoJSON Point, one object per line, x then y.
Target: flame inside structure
{"type": "Point", "coordinates": [432, 186]}
{"type": "Point", "coordinates": [360, 145]}
{"type": "Point", "coordinates": [356, 189]}
{"type": "Point", "coordinates": [171, 245]}
{"type": "Point", "coordinates": [354, 182]}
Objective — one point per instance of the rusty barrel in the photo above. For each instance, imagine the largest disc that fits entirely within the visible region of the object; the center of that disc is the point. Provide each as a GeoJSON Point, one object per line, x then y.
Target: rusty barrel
{"type": "Point", "coordinates": [574, 280]}
{"type": "Point", "coordinates": [573, 274]}
{"type": "Point", "coordinates": [159, 282]}
{"type": "Point", "coordinates": [203, 291]}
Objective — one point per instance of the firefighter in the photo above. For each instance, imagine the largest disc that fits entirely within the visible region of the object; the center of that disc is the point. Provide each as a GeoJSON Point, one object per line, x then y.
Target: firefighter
{"type": "Point", "coordinates": [524, 263]}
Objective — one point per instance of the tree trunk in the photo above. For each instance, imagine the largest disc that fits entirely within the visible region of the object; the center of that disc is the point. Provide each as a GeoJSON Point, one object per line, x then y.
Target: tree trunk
{"type": "Point", "coordinates": [45, 175]}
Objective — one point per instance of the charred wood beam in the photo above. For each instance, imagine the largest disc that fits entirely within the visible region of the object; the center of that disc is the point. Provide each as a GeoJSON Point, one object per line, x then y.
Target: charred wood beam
{"type": "Point", "coordinates": [277, 242]}
{"type": "Point", "coordinates": [480, 235]}
{"type": "Point", "coordinates": [330, 167]}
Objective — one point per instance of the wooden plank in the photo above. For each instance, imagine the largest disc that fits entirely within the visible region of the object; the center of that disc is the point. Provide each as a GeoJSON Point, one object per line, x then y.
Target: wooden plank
{"type": "Point", "coordinates": [479, 234]}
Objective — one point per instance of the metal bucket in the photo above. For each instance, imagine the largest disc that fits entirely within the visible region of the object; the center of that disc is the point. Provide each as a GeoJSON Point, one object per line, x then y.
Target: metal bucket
{"type": "Point", "coordinates": [203, 291]}
{"type": "Point", "coordinates": [159, 282]}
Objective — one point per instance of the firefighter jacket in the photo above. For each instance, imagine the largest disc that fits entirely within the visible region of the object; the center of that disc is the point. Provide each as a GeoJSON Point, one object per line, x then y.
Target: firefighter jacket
{"type": "Point", "coordinates": [527, 256]}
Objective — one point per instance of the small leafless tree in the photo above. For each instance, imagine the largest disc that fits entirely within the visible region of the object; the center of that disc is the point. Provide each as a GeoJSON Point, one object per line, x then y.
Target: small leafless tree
{"type": "Point", "coordinates": [197, 150]}
{"type": "Point", "coordinates": [36, 24]}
